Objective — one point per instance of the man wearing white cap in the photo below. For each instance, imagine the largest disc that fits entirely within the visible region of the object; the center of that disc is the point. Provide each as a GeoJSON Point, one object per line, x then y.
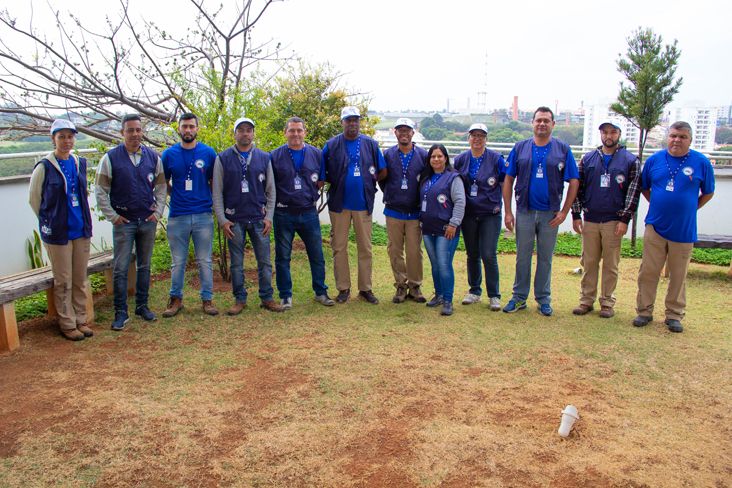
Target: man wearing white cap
{"type": "Point", "coordinates": [244, 199]}
{"type": "Point", "coordinates": [608, 193]}
{"type": "Point", "coordinates": [483, 171]}
{"type": "Point", "coordinates": [352, 163]}
{"type": "Point", "coordinates": [405, 162]}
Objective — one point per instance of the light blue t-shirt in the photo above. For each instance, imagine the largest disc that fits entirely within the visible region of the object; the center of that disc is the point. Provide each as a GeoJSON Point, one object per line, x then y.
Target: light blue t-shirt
{"type": "Point", "coordinates": [195, 165]}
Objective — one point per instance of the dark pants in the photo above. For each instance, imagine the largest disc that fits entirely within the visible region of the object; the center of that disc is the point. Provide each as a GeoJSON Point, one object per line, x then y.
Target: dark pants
{"type": "Point", "coordinates": [307, 226]}
{"type": "Point", "coordinates": [141, 233]}
{"type": "Point", "coordinates": [480, 235]}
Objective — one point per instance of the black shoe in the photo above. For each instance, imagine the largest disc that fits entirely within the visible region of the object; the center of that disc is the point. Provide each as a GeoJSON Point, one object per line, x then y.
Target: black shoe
{"type": "Point", "coordinates": [674, 325]}
{"type": "Point", "coordinates": [343, 296]}
{"type": "Point", "coordinates": [145, 313]}
{"type": "Point", "coordinates": [435, 301]}
{"type": "Point", "coordinates": [642, 320]}
{"type": "Point", "coordinates": [446, 308]}
{"type": "Point", "coordinates": [369, 297]}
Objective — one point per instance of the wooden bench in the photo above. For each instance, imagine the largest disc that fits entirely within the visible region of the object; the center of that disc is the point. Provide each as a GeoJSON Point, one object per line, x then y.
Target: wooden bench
{"type": "Point", "coordinates": [711, 241]}
{"type": "Point", "coordinates": [28, 282]}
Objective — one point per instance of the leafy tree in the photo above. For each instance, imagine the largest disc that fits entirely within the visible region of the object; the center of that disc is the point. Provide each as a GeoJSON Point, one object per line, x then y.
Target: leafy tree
{"type": "Point", "coordinates": [723, 135]}
{"type": "Point", "coordinates": [570, 134]}
{"type": "Point", "coordinates": [650, 70]}
{"type": "Point", "coordinates": [504, 134]}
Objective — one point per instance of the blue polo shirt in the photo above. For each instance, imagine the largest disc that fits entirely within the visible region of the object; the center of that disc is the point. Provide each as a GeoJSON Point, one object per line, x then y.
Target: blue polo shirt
{"type": "Point", "coordinates": [672, 213]}
{"type": "Point", "coordinates": [74, 219]}
{"type": "Point", "coordinates": [354, 197]}
{"type": "Point", "coordinates": [195, 165]}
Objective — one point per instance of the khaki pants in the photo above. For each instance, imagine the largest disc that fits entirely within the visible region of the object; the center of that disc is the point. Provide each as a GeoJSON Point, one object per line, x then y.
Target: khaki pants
{"type": "Point", "coordinates": [401, 232]}
{"type": "Point", "coordinates": [656, 250]}
{"type": "Point", "coordinates": [599, 242]}
{"type": "Point", "coordinates": [68, 264]}
{"type": "Point", "coordinates": [340, 225]}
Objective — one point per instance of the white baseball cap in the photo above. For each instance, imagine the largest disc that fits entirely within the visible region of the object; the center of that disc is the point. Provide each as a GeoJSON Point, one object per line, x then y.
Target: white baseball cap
{"type": "Point", "coordinates": [241, 120]}
{"type": "Point", "coordinates": [349, 112]}
{"type": "Point", "coordinates": [478, 126]}
{"type": "Point", "coordinates": [60, 124]}
{"type": "Point", "coordinates": [404, 122]}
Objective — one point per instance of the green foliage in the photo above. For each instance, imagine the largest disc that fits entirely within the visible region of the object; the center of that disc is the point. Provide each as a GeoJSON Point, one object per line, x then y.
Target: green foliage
{"type": "Point", "coordinates": [571, 134]}
{"type": "Point", "coordinates": [34, 250]}
{"type": "Point", "coordinates": [723, 135]}
{"type": "Point", "coordinates": [31, 306]}
{"type": "Point", "coordinates": [504, 134]}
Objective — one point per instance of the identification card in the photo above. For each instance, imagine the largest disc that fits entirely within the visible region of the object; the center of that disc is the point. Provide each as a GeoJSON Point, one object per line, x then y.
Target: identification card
{"type": "Point", "coordinates": [298, 183]}
{"type": "Point", "coordinates": [424, 204]}
{"type": "Point", "coordinates": [670, 185]}
{"type": "Point", "coordinates": [540, 172]}
{"type": "Point", "coordinates": [74, 200]}
{"type": "Point", "coordinates": [474, 190]}
{"type": "Point", "coordinates": [404, 184]}
{"type": "Point", "coordinates": [605, 181]}
{"type": "Point", "coordinates": [357, 170]}
{"type": "Point", "coordinates": [189, 185]}
{"type": "Point", "coordinates": [244, 186]}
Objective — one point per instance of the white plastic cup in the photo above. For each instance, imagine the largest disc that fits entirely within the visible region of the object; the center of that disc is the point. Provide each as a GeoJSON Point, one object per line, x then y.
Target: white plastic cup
{"type": "Point", "coordinates": [569, 417]}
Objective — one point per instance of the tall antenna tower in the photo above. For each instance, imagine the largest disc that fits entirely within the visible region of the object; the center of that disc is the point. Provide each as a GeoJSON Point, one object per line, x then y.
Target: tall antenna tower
{"type": "Point", "coordinates": [483, 93]}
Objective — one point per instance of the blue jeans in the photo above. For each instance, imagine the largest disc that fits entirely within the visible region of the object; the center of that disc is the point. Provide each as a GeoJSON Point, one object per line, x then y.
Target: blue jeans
{"type": "Point", "coordinates": [260, 244]}
{"type": "Point", "coordinates": [480, 235]}
{"type": "Point", "coordinates": [142, 234]}
{"type": "Point", "coordinates": [307, 226]}
{"type": "Point", "coordinates": [441, 251]}
{"type": "Point", "coordinates": [530, 225]}
{"type": "Point", "coordinates": [181, 229]}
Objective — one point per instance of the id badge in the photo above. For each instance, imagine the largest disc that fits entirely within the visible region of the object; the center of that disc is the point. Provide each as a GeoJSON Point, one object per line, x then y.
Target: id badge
{"type": "Point", "coordinates": [244, 186]}
{"type": "Point", "coordinates": [74, 200]}
{"type": "Point", "coordinates": [189, 185]}
{"type": "Point", "coordinates": [424, 204]}
{"type": "Point", "coordinates": [670, 185]}
{"type": "Point", "coordinates": [357, 170]}
{"type": "Point", "coordinates": [540, 172]}
{"type": "Point", "coordinates": [605, 181]}
{"type": "Point", "coordinates": [404, 184]}
{"type": "Point", "coordinates": [298, 183]}
{"type": "Point", "coordinates": [474, 190]}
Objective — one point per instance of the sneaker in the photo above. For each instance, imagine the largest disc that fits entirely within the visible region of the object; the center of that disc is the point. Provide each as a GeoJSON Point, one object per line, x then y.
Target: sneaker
{"type": "Point", "coordinates": [642, 320]}
{"type": "Point", "coordinates": [545, 309]}
{"type": "Point", "coordinates": [401, 294]}
{"type": "Point", "coordinates": [583, 309]}
{"type": "Point", "coordinates": [514, 306]}
{"type": "Point", "coordinates": [85, 329]}
{"type": "Point", "coordinates": [286, 303]}
{"type": "Point", "coordinates": [272, 306]}
{"type": "Point", "coordinates": [209, 308]}
{"type": "Point", "coordinates": [435, 301]}
{"type": "Point", "coordinates": [606, 312]}
{"type": "Point", "coordinates": [175, 305]}
{"type": "Point", "coordinates": [343, 296]}
{"type": "Point", "coordinates": [324, 300]}
{"type": "Point", "coordinates": [495, 304]}
{"type": "Point", "coordinates": [470, 299]}
{"type": "Point", "coordinates": [446, 308]}
{"type": "Point", "coordinates": [236, 308]}
{"type": "Point", "coordinates": [73, 334]}
{"type": "Point", "coordinates": [416, 294]}
{"type": "Point", "coordinates": [674, 325]}
{"type": "Point", "coordinates": [143, 312]}
{"type": "Point", "coordinates": [369, 297]}
{"type": "Point", "coordinates": [120, 320]}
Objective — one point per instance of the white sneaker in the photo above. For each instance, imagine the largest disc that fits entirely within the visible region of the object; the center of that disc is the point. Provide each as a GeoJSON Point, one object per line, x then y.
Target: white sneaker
{"type": "Point", "coordinates": [495, 304]}
{"type": "Point", "coordinates": [286, 303]}
{"type": "Point", "coordinates": [470, 299]}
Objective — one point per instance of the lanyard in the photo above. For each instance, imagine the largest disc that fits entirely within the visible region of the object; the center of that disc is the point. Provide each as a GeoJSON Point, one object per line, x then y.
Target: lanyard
{"type": "Point", "coordinates": [69, 174]}
{"type": "Point", "coordinates": [474, 168]}
{"type": "Point", "coordinates": [433, 179]}
{"type": "Point", "coordinates": [189, 163]}
{"type": "Point", "coordinates": [405, 159]}
{"type": "Point", "coordinates": [672, 174]}
{"type": "Point", "coordinates": [540, 155]}
{"type": "Point", "coordinates": [292, 157]}
{"type": "Point", "coordinates": [244, 163]}
{"type": "Point", "coordinates": [355, 158]}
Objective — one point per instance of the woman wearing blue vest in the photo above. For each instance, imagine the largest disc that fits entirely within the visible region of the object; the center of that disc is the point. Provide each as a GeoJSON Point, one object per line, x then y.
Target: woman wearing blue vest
{"type": "Point", "coordinates": [442, 196]}
{"type": "Point", "coordinates": [58, 196]}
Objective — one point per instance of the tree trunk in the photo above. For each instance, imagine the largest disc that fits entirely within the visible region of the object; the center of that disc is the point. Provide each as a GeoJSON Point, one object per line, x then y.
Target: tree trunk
{"type": "Point", "coordinates": [634, 225]}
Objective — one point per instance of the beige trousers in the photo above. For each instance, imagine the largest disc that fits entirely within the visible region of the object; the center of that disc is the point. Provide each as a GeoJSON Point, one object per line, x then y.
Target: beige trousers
{"type": "Point", "coordinates": [68, 264]}
{"type": "Point", "coordinates": [405, 235]}
{"type": "Point", "coordinates": [599, 242]}
{"type": "Point", "coordinates": [656, 251]}
{"type": "Point", "coordinates": [340, 226]}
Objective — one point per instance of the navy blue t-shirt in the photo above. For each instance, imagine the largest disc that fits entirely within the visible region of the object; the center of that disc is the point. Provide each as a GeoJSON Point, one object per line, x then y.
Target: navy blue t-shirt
{"type": "Point", "coordinates": [354, 197]}
{"type": "Point", "coordinates": [74, 219]}
{"type": "Point", "coordinates": [672, 209]}
{"type": "Point", "coordinates": [196, 165]}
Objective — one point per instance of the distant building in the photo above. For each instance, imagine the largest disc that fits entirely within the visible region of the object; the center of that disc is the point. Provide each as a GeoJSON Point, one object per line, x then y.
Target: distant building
{"type": "Point", "coordinates": [724, 115]}
{"type": "Point", "coordinates": [596, 115]}
{"type": "Point", "coordinates": [703, 121]}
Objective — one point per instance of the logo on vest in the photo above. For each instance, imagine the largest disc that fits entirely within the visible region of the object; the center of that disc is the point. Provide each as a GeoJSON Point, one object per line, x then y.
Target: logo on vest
{"type": "Point", "coordinates": [200, 164]}
{"type": "Point", "coordinates": [150, 177]}
{"type": "Point", "coordinates": [314, 177]}
{"type": "Point", "coordinates": [506, 163]}
{"type": "Point", "coordinates": [441, 198]}
{"type": "Point", "coordinates": [46, 230]}
{"type": "Point", "coordinates": [688, 170]}
{"type": "Point", "coordinates": [492, 180]}
{"type": "Point", "coordinates": [620, 179]}
{"type": "Point", "coordinates": [261, 177]}
{"type": "Point", "coordinates": [560, 165]}
{"type": "Point", "coordinates": [496, 209]}
{"type": "Point", "coordinates": [230, 211]}
{"type": "Point", "coordinates": [372, 170]}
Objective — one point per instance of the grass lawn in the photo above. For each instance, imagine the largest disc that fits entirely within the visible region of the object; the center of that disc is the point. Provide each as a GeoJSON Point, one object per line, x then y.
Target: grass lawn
{"type": "Point", "coordinates": [387, 395]}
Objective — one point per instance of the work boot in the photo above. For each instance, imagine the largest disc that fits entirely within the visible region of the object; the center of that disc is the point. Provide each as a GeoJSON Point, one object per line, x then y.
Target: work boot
{"type": "Point", "coordinates": [84, 329]}
{"type": "Point", "coordinates": [343, 295]}
{"type": "Point", "coordinates": [236, 308]}
{"type": "Point", "coordinates": [72, 334]}
{"type": "Point", "coordinates": [209, 308]}
{"type": "Point", "coordinates": [416, 294]}
{"type": "Point", "coordinates": [175, 305]}
{"type": "Point", "coordinates": [369, 297]}
{"type": "Point", "coordinates": [582, 309]}
{"type": "Point", "coordinates": [401, 294]}
{"type": "Point", "coordinates": [606, 312]}
{"type": "Point", "coordinates": [446, 308]}
{"type": "Point", "coordinates": [272, 306]}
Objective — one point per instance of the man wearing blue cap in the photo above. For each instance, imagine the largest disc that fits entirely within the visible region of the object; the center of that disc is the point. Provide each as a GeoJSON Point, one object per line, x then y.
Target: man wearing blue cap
{"type": "Point", "coordinates": [608, 196]}
{"type": "Point", "coordinates": [244, 199]}
{"type": "Point", "coordinates": [352, 163]}
{"type": "Point", "coordinates": [405, 162]}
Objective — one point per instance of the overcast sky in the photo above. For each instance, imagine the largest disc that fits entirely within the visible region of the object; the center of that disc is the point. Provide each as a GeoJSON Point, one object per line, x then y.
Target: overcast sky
{"type": "Point", "coordinates": [418, 54]}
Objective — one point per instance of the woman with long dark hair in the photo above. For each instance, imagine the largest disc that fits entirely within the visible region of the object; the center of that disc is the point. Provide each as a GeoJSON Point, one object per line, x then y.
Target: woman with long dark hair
{"type": "Point", "coordinates": [442, 194]}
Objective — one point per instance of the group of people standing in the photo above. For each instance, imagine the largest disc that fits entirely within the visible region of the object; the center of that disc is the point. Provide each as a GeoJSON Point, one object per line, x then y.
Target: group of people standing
{"type": "Point", "coordinates": [428, 200]}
